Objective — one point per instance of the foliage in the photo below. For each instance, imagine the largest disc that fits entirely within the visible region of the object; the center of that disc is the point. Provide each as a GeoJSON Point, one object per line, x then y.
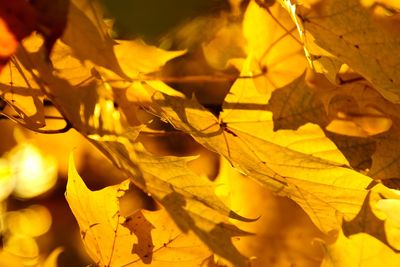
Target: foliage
{"type": "Point", "coordinates": [312, 115]}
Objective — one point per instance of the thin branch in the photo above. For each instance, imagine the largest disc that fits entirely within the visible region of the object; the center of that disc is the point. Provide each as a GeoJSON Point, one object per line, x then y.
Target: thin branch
{"type": "Point", "coordinates": [17, 120]}
{"type": "Point", "coordinates": [192, 78]}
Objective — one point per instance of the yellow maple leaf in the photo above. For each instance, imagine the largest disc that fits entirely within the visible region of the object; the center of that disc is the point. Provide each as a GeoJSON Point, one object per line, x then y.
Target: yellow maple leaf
{"type": "Point", "coordinates": [290, 163]}
{"type": "Point", "coordinates": [190, 201]}
{"type": "Point", "coordinates": [273, 42]}
{"type": "Point", "coordinates": [145, 237]}
{"type": "Point", "coordinates": [344, 32]}
{"type": "Point", "coordinates": [359, 250]}
{"type": "Point", "coordinates": [136, 57]}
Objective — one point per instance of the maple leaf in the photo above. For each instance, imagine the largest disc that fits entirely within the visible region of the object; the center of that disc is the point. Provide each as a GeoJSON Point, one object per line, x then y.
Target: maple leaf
{"type": "Point", "coordinates": [189, 198]}
{"type": "Point", "coordinates": [358, 250]}
{"type": "Point", "coordinates": [273, 43]}
{"type": "Point", "coordinates": [282, 162]}
{"type": "Point", "coordinates": [292, 143]}
{"type": "Point", "coordinates": [299, 103]}
{"type": "Point", "coordinates": [295, 105]}
{"type": "Point", "coordinates": [87, 35]}
{"type": "Point", "coordinates": [377, 217]}
{"type": "Point", "coordinates": [389, 207]}
{"type": "Point", "coordinates": [142, 238]}
{"type": "Point", "coordinates": [19, 89]}
{"type": "Point", "coordinates": [136, 57]}
{"type": "Point", "coordinates": [313, 100]}
{"type": "Point", "coordinates": [366, 222]}
{"type": "Point", "coordinates": [295, 111]}
{"type": "Point", "coordinates": [386, 159]}
{"type": "Point", "coordinates": [86, 100]}
{"type": "Point", "coordinates": [282, 238]}
{"type": "Point", "coordinates": [344, 32]}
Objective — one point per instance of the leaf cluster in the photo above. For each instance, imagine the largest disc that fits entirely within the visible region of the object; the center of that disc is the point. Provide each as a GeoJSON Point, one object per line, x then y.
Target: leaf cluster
{"type": "Point", "coordinates": [312, 114]}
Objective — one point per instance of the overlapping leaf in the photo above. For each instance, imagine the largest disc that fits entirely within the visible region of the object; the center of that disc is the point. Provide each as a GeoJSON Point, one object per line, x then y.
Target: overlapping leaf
{"type": "Point", "coordinates": [296, 111]}
{"type": "Point", "coordinates": [189, 198]}
{"type": "Point", "coordinates": [284, 161]}
{"type": "Point", "coordinates": [87, 35]}
{"type": "Point", "coordinates": [375, 128]}
{"type": "Point", "coordinates": [138, 240]}
{"type": "Point", "coordinates": [303, 165]}
{"type": "Point", "coordinates": [274, 43]}
{"type": "Point", "coordinates": [291, 143]}
{"type": "Point", "coordinates": [23, 94]}
{"type": "Point", "coordinates": [344, 32]}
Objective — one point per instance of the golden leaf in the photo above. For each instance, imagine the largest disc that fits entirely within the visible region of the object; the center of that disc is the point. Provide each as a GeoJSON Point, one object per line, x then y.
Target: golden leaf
{"type": "Point", "coordinates": [346, 32]}
{"type": "Point", "coordinates": [288, 162]}
{"type": "Point", "coordinates": [145, 237]}
{"type": "Point", "coordinates": [359, 250]}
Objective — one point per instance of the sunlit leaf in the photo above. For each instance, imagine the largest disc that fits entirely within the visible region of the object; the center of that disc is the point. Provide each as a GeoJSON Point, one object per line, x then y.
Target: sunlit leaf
{"type": "Point", "coordinates": [87, 35]}
{"type": "Point", "coordinates": [188, 198]}
{"type": "Point", "coordinates": [353, 36]}
{"type": "Point", "coordinates": [106, 240]}
{"type": "Point", "coordinates": [375, 129]}
{"type": "Point", "coordinates": [284, 161]}
{"type": "Point", "coordinates": [303, 102]}
{"type": "Point", "coordinates": [161, 243]}
{"type": "Point", "coordinates": [359, 250]}
{"type": "Point", "coordinates": [19, 89]}
{"type": "Point", "coordinates": [135, 57]}
{"type": "Point", "coordinates": [324, 142]}
{"type": "Point", "coordinates": [388, 208]}
{"type": "Point", "coordinates": [282, 238]}
{"type": "Point", "coordinates": [137, 240]}
{"type": "Point", "coordinates": [273, 42]}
